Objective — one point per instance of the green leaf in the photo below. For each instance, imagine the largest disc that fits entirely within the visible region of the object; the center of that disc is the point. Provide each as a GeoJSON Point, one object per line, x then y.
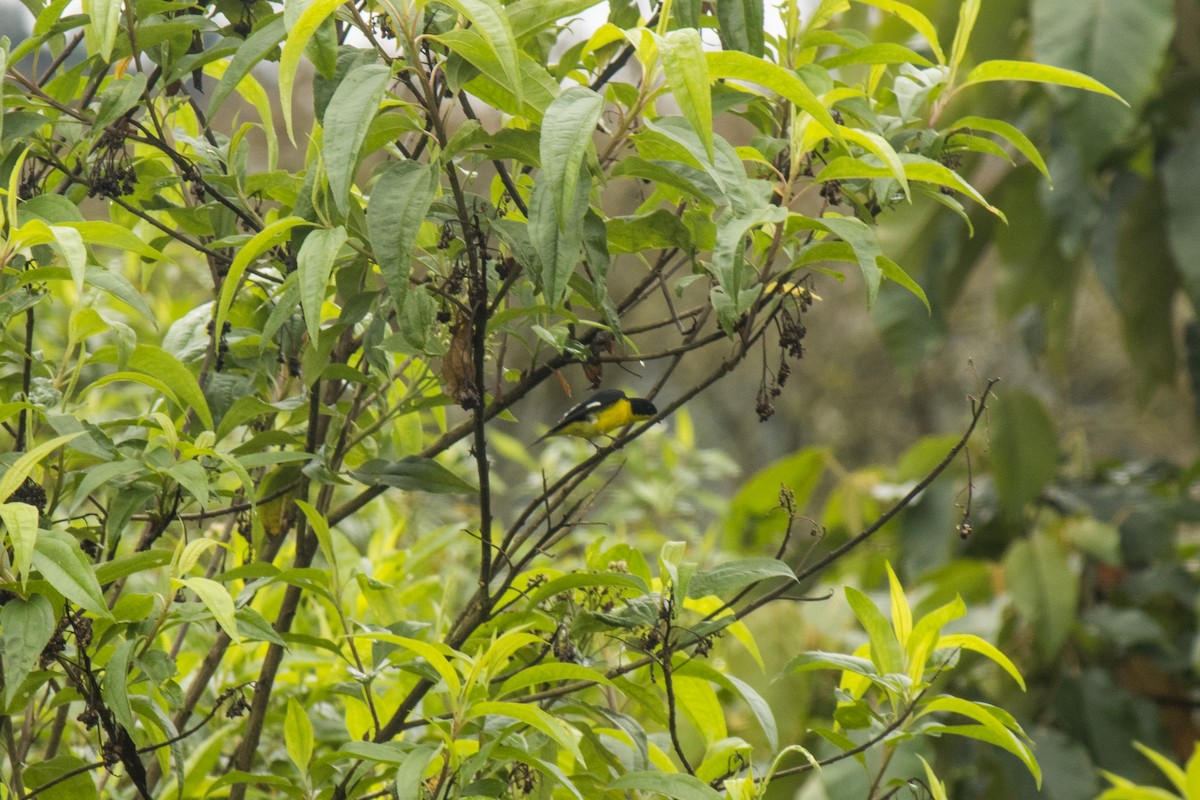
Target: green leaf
{"type": "Point", "coordinates": [192, 477]}
{"type": "Point", "coordinates": [992, 728]}
{"type": "Point", "coordinates": [580, 580]}
{"type": "Point", "coordinates": [885, 648]}
{"type": "Point", "coordinates": [1010, 134]}
{"type": "Point", "coordinates": [119, 287]}
{"type": "Point", "coordinates": [22, 468]}
{"type": "Point", "coordinates": [697, 699]}
{"type": "Point", "coordinates": [551, 673]}
{"type": "Point", "coordinates": [320, 527]}
{"type": "Point", "coordinates": [567, 130]}
{"type": "Point", "coordinates": [558, 249]}
{"type": "Point", "coordinates": [413, 474]}
{"type": "Point", "coordinates": [108, 234]}
{"type": "Point", "coordinates": [409, 783]}
{"type": "Point", "coordinates": [57, 556]}
{"type": "Point", "coordinates": [114, 688]}
{"type": "Point", "coordinates": [745, 67]}
{"type": "Point", "coordinates": [1000, 70]}
{"type": "Point", "coordinates": [675, 785]}
{"type": "Point", "coordinates": [21, 524]}
{"type": "Point", "coordinates": [26, 626]}
{"type": "Point", "coordinates": [80, 786]}
{"type": "Point", "coordinates": [347, 119]}
{"type": "Point", "coordinates": [918, 21]}
{"type": "Point", "coordinates": [1044, 590]}
{"type": "Point", "coordinates": [1024, 450]}
{"type": "Point", "coordinates": [861, 238]}
{"type": "Point", "coordinates": [298, 735]}
{"type": "Point", "coordinates": [118, 97]}
{"type": "Point", "coordinates": [924, 636]}
{"type": "Point", "coordinates": [562, 733]}
{"type": "Point", "coordinates": [734, 575]}
{"type": "Point", "coordinates": [218, 601]}
{"type": "Point", "coordinates": [159, 363]}
{"type": "Point", "coordinates": [686, 70]}
{"type": "Point", "coordinates": [817, 659]}
{"type": "Point", "coordinates": [268, 237]}
{"type": "Point", "coordinates": [969, 641]}
{"type": "Point", "coordinates": [741, 25]}
{"type": "Point", "coordinates": [314, 264]}
{"type": "Point", "coordinates": [251, 51]}
{"type": "Point", "coordinates": [491, 21]}
{"type": "Point", "coordinates": [104, 20]}
{"type": "Point", "coordinates": [880, 53]}
{"type": "Point", "coordinates": [967, 14]}
{"type": "Point", "coordinates": [399, 201]}
{"type": "Point", "coordinates": [894, 272]}
{"type": "Point", "coordinates": [299, 34]}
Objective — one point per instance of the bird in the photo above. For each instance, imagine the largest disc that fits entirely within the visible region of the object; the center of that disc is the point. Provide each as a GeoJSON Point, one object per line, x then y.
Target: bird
{"type": "Point", "coordinates": [601, 413]}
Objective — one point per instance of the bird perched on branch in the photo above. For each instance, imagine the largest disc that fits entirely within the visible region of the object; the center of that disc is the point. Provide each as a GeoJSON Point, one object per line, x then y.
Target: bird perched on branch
{"type": "Point", "coordinates": [603, 412]}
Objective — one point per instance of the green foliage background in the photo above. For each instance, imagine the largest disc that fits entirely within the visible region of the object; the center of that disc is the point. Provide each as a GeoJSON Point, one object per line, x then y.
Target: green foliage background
{"type": "Point", "coordinates": [270, 383]}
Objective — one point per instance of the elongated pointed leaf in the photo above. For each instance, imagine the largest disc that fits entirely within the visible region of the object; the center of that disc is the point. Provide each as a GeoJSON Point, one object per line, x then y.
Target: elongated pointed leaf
{"type": "Point", "coordinates": [558, 249]}
{"type": "Point", "coordinates": [399, 202]}
{"type": "Point", "coordinates": [262, 241]}
{"type": "Point", "coordinates": [1000, 70]}
{"type": "Point", "coordinates": [919, 22]}
{"type": "Point", "coordinates": [314, 263]}
{"type": "Point", "coordinates": [745, 67]}
{"type": "Point", "coordinates": [562, 733]}
{"type": "Point", "coordinates": [734, 575]}
{"type": "Point", "coordinates": [686, 71]}
{"type": "Point", "coordinates": [252, 51]}
{"type": "Point", "coordinates": [885, 648]}
{"type": "Point", "coordinates": [861, 239]}
{"type": "Point", "coordinates": [298, 37]}
{"type": "Point", "coordinates": [115, 688]}
{"type": "Point", "coordinates": [491, 20]}
{"type": "Point", "coordinates": [347, 119]}
{"type": "Point", "coordinates": [567, 130]}
{"type": "Point", "coordinates": [58, 557]}
{"type": "Point", "coordinates": [1009, 133]}
{"type": "Point", "coordinates": [16, 474]}
{"type": "Point", "coordinates": [741, 25]}
{"type": "Point", "coordinates": [21, 524]}
{"type": "Point", "coordinates": [677, 786]}
{"type": "Point", "coordinates": [26, 625]}
{"type": "Point", "coordinates": [218, 601]}
{"type": "Point", "coordinates": [413, 474]}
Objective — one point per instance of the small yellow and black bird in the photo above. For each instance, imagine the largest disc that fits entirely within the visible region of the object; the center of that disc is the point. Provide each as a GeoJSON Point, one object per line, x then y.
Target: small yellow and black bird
{"type": "Point", "coordinates": [603, 412]}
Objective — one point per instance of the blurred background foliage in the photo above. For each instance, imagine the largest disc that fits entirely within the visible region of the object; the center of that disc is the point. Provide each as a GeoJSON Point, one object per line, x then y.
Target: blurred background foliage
{"type": "Point", "coordinates": [1082, 554]}
{"type": "Point", "coordinates": [1071, 532]}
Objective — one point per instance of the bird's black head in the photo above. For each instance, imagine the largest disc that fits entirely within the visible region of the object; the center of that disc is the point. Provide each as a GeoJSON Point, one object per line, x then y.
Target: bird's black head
{"type": "Point", "coordinates": [642, 408]}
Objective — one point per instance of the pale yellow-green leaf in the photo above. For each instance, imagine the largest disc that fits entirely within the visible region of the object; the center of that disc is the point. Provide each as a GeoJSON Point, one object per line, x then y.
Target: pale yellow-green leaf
{"type": "Point", "coordinates": [969, 641]}
{"type": "Point", "coordinates": [967, 14]}
{"type": "Point", "coordinates": [1167, 767]}
{"type": "Point", "coordinates": [562, 733]}
{"type": "Point", "coordinates": [298, 735]}
{"type": "Point", "coordinates": [901, 612]}
{"type": "Point", "coordinates": [293, 48]}
{"type": "Point", "coordinates": [918, 21]}
{"type": "Point", "coordinates": [218, 601]}
{"type": "Point", "coordinates": [21, 523]}
{"type": "Point", "coordinates": [1001, 70]}
{"type": "Point", "coordinates": [262, 241]}
{"type": "Point", "coordinates": [15, 475]}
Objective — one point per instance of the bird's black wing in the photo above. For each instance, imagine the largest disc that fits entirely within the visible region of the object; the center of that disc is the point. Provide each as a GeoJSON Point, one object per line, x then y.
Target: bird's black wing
{"type": "Point", "coordinates": [579, 412]}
